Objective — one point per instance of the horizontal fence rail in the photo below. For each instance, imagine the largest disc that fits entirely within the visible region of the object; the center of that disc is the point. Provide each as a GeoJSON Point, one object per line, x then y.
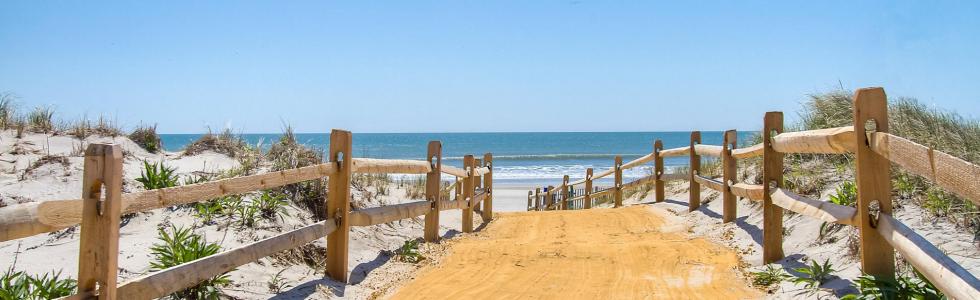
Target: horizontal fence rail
{"type": "Point", "coordinates": [881, 234]}
{"type": "Point", "coordinates": [100, 214]}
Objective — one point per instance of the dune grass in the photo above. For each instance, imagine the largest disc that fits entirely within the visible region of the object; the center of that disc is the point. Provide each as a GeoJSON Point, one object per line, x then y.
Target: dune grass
{"type": "Point", "coordinates": [146, 137]}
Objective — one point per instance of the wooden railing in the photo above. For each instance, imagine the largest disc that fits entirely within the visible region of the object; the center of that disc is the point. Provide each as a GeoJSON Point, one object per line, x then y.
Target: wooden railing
{"type": "Point", "coordinates": [102, 203]}
{"type": "Point", "coordinates": [875, 150]}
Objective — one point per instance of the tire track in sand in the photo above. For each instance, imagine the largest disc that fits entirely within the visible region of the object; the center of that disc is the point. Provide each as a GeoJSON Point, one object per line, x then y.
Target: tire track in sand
{"type": "Point", "coordinates": [582, 254]}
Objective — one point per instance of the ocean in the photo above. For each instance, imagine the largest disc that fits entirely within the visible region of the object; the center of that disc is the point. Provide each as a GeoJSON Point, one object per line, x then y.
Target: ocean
{"type": "Point", "coordinates": [520, 158]}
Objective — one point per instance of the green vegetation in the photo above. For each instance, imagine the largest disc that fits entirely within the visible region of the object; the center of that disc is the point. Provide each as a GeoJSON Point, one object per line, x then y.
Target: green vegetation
{"type": "Point", "coordinates": [271, 205]}
{"type": "Point", "coordinates": [409, 252]}
{"type": "Point", "coordinates": [942, 130]}
{"type": "Point", "coordinates": [772, 275]}
{"type": "Point", "coordinates": [20, 285]}
{"type": "Point", "coordinates": [277, 283]}
{"type": "Point", "coordinates": [225, 142]}
{"type": "Point", "coordinates": [845, 195]}
{"type": "Point", "coordinates": [147, 138]}
{"type": "Point", "coordinates": [815, 275]}
{"type": "Point", "coordinates": [157, 176]}
{"type": "Point", "coordinates": [7, 113]}
{"type": "Point", "coordinates": [179, 246]}
{"type": "Point", "coordinates": [902, 287]}
{"type": "Point", "coordinates": [41, 119]}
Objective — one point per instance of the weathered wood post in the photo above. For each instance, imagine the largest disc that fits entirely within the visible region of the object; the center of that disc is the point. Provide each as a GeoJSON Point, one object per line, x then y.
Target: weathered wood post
{"type": "Point", "coordinates": [772, 178]}
{"type": "Point", "coordinates": [658, 170]}
{"type": "Point", "coordinates": [548, 200]}
{"type": "Point", "coordinates": [433, 181]}
{"type": "Point", "coordinates": [728, 176]}
{"type": "Point", "coordinates": [468, 185]}
{"type": "Point", "coordinates": [587, 201]}
{"type": "Point", "coordinates": [477, 185]}
{"type": "Point", "coordinates": [459, 188]}
{"type": "Point", "coordinates": [338, 204]}
{"type": "Point", "coordinates": [873, 179]}
{"type": "Point", "coordinates": [565, 195]}
{"type": "Point", "coordinates": [529, 193]}
{"type": "Point", "coordinates": [488, 188]}
{"type": "Point", "coordinates": [618, 183]}
{"type": "Point", "coordinates": [98, 250]}
{"type": "Point", "coordinates": [694, 201]}
{"type": "Point", "coordinates": [537, 199]}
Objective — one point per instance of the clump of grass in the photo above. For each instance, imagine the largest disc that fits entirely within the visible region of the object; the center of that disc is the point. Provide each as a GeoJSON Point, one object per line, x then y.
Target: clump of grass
{"type": "Point", "coordinates": [179, 246]}
{"type": "Point", "coordinates": [414, 186]}
{"type": "Point", "coordinates": [815, 275]}
{"type": "Point", "coordinates": [225, 142]}
{"type": "Point", "coordinates": [7, 112]}
{"type": "Point", "coordinates": [157, 176]}
{"type": "Point", "coordinates": [772, 275]}
{"type": "Point", "coordinates": [846, 194]}
{"type": "Point", "coordinates": [277, 283]}
{"type": "Point", "coordinates": [20, 285]}
{"type": "Point", "coordinates": [211, 209]}
{"type": "Point", "coordinates": [409, 252]}
{"type": "Point", "coordinates": [41, 119]}
{"type": "Point", "coordinates": [146, 137]}
{"type": "Point", "coordinates": [902, 287]}
{"type": "Point", "coordinates": [271, 205]}
{"type": "Point", "coordinates": [288, 153]}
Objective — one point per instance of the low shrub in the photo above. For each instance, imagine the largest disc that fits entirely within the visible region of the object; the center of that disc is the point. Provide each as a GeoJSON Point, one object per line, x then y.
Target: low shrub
{"type": "Point", "coordinates": [41, 119]}
{"type": "Point", "coordinates": [815, 275]}
{"type": "Point", "coordinates": [902, 287]}
{"type": "Point", "coordinates": [772, 275]}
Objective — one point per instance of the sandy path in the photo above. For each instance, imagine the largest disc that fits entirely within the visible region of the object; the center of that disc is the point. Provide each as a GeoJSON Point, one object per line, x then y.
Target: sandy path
{"type": "Point", "coordinates": [625, 253]}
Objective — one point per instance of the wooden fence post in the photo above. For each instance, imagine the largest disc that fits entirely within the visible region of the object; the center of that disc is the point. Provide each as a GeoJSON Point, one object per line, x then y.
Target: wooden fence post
{"type": "Point", "coordinates": [529, 200]}
{"type": "Point", "coordinates": [548, 200]}
{"type": "Point", "coordinates": [537, 199]}
{"type": "Point", "coordinates": [728, 176]}
{"type": "Point", "coordinates": [564, 191]}
{"type": "Point", "coordinates": [618, 183]}
{"type": "Point", "coordinates": [459, 188]}
{"type": "Point", "coordinates": [98, 250]}
{"type": "Point", "coordinates": [469, 165]}
{"type": "Point", "coordinates": [694, 201]}
{"type": "Point", "coordinates": [433, 187]}
{"type": "Point", "coordinates": [873, 177]}
{"type": "Point", "coordinates": [477, 186]}
{"type": "Point", "coordinates": [488, 188]}
{"type": "Point", "coordinates": [338, 204]}
{"type": "Point", "coordinates": [772, 178]}
{"type": "Point", "coordinates": [587, 201]}
{"type": "Point", "coordinates": [658, 170]}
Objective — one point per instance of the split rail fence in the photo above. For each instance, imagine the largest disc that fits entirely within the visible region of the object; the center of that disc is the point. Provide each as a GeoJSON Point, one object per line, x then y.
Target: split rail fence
{"type": "Point", "coordinates": [874, 148]}
{"type": "Point", "coordinates": [103, 203]}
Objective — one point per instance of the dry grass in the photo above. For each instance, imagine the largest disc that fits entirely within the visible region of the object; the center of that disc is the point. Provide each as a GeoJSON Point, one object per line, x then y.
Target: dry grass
{"type": "Point", "coordinates": [146, 136]}
{"type": "Point", "coordinates": [225, 142]}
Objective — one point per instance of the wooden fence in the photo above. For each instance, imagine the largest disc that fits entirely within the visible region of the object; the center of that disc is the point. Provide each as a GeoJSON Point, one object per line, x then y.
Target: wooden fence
{"type": "Point", "coordinates": [102, 203]}
{"type": "Point", "coordinates": [875, 150]}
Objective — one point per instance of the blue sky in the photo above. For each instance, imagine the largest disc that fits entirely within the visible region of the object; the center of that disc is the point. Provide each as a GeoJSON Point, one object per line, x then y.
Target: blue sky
{"type": "Point", "coordinates": [407, 66]}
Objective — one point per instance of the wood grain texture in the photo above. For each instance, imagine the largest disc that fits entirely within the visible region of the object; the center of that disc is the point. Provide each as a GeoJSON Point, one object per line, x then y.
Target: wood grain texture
{"type": "Point", "coordinates": [390, 166]}
{"type": "Point", "coordinates": [618, 182]}
{"type": "Point", "coordinates": [488, 187]}
{"type": "Point", "coordinates": [822, 210]}
{"type": "Point", "coordinates": [828, 141]}
{"type": "Point", "coordinates": [338, 204]}
{"type": "Point", "coordinates": [772, 177]}
{"type": "Point", "coordinates": [874, 185]}
{"type": "Point", "coordinates": [388, 213]}
{"type": "Point", "coordinates": [679, 151]}
{"type": "Point", "coordinates": [729, 175]}
{"type": "Point", "coordinates": [709, 150]}
{"type": "Point", "coordinates": [753, 192]}
{"type": "Point", "coordinates": [694, 192]}
{"type": "Point", "coordinates": [638, 162]}
{"type": "Point", "coordinates": [433, 194]}
{"type": "Point", "coordinates": [949, 172]}
{"type": "Point", "coordinates": [748, 152]}
{"type": "Point", "coordinates": [98, 250]}
{"type": "Point", "coordinates": [658, 171]}
{"type": "Point", "coordinates": [709, 183]}
{"type": "Point", "coordinates": [454, 171]}
{"type": "Point", "coordinates": [468, 190]}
